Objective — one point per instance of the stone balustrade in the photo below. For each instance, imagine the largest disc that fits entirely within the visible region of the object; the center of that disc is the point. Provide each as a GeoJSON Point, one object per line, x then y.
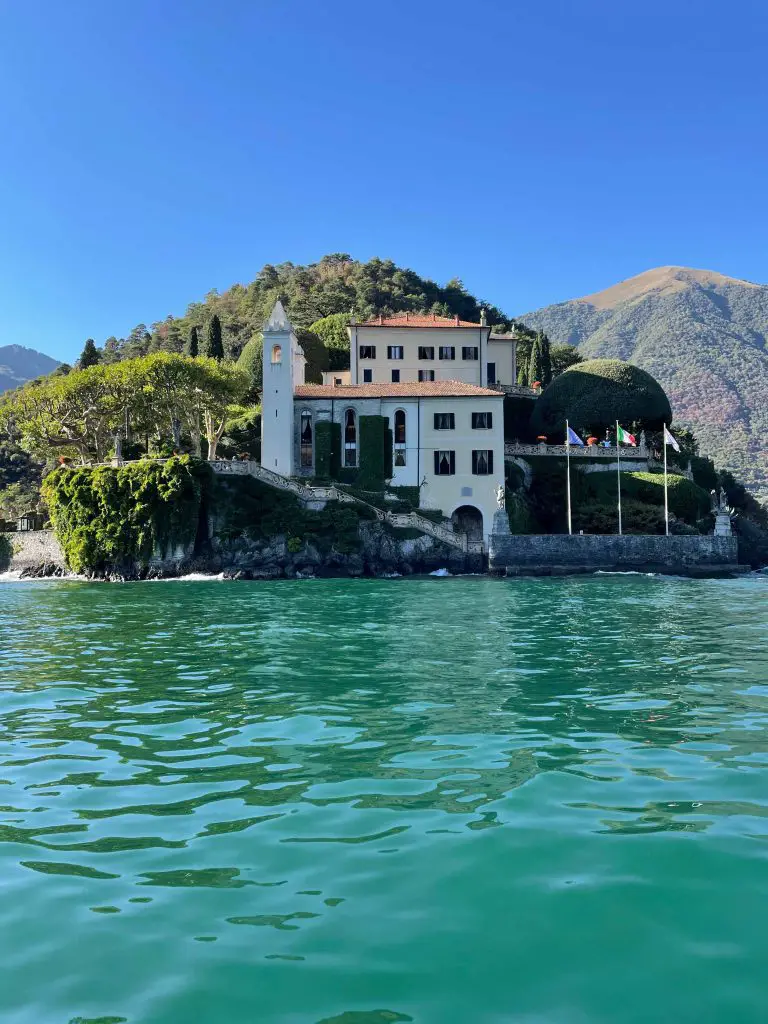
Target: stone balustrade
{"type": "Point", "coordinates": [587, 452]}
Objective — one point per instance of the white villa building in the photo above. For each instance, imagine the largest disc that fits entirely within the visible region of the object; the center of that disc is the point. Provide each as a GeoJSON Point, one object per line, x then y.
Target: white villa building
{"type": "Point", "coordinates": [428, 376]}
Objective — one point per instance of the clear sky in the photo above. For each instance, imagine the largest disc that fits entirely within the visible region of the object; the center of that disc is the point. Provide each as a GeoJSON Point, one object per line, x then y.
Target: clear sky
{"type": "Point", "coordinates": [151, 150]}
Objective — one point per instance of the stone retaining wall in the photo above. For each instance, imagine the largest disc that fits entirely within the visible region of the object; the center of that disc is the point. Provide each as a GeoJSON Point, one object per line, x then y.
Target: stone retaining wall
{"type": "Point", "coordinates": [585, 552]}
{"type": "Point", "coordinates": [31, 550]}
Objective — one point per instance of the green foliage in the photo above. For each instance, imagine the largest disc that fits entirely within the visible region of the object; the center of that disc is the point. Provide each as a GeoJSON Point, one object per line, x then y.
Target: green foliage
{"type": "Point", "coordinates": [158, 395]}
{"type": "Point", "coordinates": [564, 356]}
{"type": "Point", "coordinates": [316, 355]}
{"type": "Point", "coordinates": [117, 517]}
{"type": "Point", "coordinates": [247, 507]}
{"type": "Point", "coordinates": [408, 495]}
{"type": "Point", "coordinates": [192, 347]}
{"type": "Point", "coordinates": [520, 513]}
{"type": "Point", "coordinates": [375, 452]}
{"type": "Point", "coordinates": [90, 355]}
{"type": "Point", "coordinates": [602, 517]}
{"type": "Point", "coordinates": [594, 394]}
{"type": "Point", "coordinates": [242, 433]}
{"type": "Point", "coordinates": [332, 331]}
{"type": "Point", "coordinates": [251, 362]}
{"type": "Point", "coordinates": [336, 285]}
{"type": "Point", "coordinates": [6, 551]}
{"type": "Point", "coordinates": [687, 500]}
{"type": "Point", "coordinates": [705, 474]}
{"type": "Point", "coordinates": [214, 348]}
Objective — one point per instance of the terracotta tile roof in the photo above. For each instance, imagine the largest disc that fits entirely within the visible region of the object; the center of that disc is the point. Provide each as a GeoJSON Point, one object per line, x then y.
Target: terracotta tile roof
{"type": "Point", "coordinates": [418, 320]}
{"type": "Point", "coordinates": [409, 389]}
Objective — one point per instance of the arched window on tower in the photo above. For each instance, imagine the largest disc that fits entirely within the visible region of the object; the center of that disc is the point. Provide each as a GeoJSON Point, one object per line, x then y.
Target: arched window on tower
{"type": "Point", "coordinates": [350, 438]}
{"type": "Point", "coordinates": [306, 439]}
{"type": "Point", "coordinates": [277, 354]}
{"type": "Point", "coordinates": [399, 454]}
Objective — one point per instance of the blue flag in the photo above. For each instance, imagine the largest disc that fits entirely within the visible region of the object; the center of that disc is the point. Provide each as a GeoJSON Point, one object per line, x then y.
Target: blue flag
{"type": "Point", "coordinates": [573, 438]}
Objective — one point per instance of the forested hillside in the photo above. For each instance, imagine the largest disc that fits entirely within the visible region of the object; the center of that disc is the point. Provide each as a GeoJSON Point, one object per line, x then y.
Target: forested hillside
{"type": "Point", "coordinates": [336, 284]}
{"type": "Point", "coordinates": [703, 336]}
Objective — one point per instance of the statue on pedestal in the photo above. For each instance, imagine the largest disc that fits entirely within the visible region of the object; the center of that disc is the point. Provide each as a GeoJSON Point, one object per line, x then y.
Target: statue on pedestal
{"type": "Point", "coordinates": [500, 496]}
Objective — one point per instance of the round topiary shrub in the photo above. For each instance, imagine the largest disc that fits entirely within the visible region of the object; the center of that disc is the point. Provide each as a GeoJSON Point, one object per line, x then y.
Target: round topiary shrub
{"type": "Point", "coordinates": [594, 394]}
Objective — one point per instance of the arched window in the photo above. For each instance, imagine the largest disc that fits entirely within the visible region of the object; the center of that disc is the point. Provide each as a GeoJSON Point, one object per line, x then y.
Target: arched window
{"type": "Point", "coordinates": [350, 438]}
{"type": "Point", "coordinates": [399, 438]}
{"type": "Point", "coordinates": [305, 441]}
{"type": "Point", "coordinates": [277, 354]}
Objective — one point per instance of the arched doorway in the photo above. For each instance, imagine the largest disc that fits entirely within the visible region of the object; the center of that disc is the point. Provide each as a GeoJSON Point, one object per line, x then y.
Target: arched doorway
{"type": "Point", "coordinates": [468, 519]}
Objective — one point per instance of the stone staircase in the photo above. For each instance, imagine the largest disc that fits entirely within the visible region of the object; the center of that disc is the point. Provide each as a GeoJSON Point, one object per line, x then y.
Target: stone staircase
{"type": "Point", "coordinates": [310, 493]}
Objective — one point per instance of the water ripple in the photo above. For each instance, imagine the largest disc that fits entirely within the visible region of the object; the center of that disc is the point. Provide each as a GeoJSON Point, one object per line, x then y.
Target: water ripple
{"type": "Point", "coordinates": [463, 799]}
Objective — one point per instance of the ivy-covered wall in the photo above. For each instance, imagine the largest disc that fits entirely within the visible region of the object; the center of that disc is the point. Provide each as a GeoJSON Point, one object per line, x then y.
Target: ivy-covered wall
{"type": "Point", "coordinates": [107, 518]}
{"type": "Point", "coordinates": [375, 452]}
{"type": "Point", "coordinates": [5, 552]}
{"type": "Point", "coordinates": [246, 507]}
{"type": "Point", "coordinates": [327, 450]}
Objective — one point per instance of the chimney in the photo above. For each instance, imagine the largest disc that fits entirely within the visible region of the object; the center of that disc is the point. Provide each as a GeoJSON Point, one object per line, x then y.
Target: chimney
{"type": "Point", "coordinates": [456, 319]}
{"type": "Point", "coordinates": [407, 317]}
{"type": "Point", "coordinates": [483, 321]}
{"type": "Point", "coordinates": [380, 320]}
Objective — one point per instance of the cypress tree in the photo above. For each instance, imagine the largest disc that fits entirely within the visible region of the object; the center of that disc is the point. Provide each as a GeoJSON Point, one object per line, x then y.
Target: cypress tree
{"type": "Point", "coordinates": [213, 345]}
{"type": "Point", "coordinates": [90, 355]}
{"type": "Point", "coordinates": [546, 361]}
{"type": "Point", "coordinates": [534, 363]}
{"type": "Point", "coordinates": [192, 348]}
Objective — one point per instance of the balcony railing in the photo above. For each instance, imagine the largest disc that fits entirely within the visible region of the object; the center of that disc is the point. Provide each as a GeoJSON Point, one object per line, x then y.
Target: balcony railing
{"type": "Point", "coordinates": [594, 451]}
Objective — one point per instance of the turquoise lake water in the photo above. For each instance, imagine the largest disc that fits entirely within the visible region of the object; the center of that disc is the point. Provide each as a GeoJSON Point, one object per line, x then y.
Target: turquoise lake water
{"type": "Point", "coordinates": [371, 801]}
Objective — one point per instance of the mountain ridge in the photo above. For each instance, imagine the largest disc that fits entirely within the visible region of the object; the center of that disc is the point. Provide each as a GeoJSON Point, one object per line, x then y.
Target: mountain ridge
{"type": "Point", "coordinates": [703, 335]}
{"type": "Point", "coordinates": [19, 364]}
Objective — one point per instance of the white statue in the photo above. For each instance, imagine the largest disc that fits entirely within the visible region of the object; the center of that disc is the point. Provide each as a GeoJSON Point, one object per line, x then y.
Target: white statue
{"type": "Point", "coordinates": [500, 496]}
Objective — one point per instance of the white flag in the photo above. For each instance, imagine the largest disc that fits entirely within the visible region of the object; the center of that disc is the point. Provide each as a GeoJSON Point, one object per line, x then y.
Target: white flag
{"type": "Point", "coordinates": [669, 439]}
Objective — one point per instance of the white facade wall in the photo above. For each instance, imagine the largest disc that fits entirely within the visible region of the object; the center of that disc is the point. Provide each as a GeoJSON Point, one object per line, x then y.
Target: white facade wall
{"type": "Point", "coordinates": [411, 338]}
{"type": "Point", "coordinates": [446, 493]}
{"type": "Point", "coordinates": [464, 488]}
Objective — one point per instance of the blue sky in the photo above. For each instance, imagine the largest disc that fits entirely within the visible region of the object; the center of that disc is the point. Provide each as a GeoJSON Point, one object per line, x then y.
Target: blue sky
{"type": "Point", "coordinates": [538, 150]}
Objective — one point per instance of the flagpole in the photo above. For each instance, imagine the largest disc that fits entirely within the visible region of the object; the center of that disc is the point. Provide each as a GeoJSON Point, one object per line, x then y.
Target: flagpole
{"type": "Point", "coordinates": [568, 471]}
{"type": "Point", "coordinates": [666, 501]}
{"type": "Point", "coordinates": [618, 472]}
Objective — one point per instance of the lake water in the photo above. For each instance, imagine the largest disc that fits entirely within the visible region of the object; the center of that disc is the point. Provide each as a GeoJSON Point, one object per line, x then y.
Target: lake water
{"type": "Point", "coordinates": [364, 802]}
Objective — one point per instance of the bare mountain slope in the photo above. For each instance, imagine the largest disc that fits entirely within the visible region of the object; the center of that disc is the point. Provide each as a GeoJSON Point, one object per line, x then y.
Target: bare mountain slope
{"type": "Point", "coordinates": [703, 336]}
{"type": "Point", "coordinates": [19, 364]}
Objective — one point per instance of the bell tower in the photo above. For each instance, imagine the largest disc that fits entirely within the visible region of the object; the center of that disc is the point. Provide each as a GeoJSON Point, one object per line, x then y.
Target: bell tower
{"type": "Point", "coordinates": [284, 365]}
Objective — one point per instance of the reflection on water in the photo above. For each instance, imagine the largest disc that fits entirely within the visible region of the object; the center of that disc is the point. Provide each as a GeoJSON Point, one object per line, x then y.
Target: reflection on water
{"type": "Point", "coordinates": [375, 801]}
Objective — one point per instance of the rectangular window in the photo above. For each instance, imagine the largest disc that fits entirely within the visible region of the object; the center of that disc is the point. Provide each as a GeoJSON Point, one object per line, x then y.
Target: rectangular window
{"type": "Point", "coordinates": [447, 352]}
{"type": "Point", "coordinates": [491, 373]}
{"type": "Point", "coordinates": [445, 421]}
{"type": "Point", "coordinates": [426, 374]}
{"type": "Point", "coordinates": [367, 351]}
{"type": "Point", "coordinates": [426, 351]}
{"type": "Point", "coordinates": [469, 352]}
{"type": "Point", "coordinates": [394, 351]}
{"type": "Point", "coordinates": [445, 463]}
{"type": "Point", "coordinates": [395, 376]}
{"type": "Point", "coordinates": [482, 420]}
{"type": "Point", "coordinates": [367, 376]}
{"type": "Point", "coordinates": [482, 462]}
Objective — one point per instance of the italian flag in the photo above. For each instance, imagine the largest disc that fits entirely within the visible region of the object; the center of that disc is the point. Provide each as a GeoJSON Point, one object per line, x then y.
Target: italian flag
{"type": "Point", "coordinates": [624, 437]}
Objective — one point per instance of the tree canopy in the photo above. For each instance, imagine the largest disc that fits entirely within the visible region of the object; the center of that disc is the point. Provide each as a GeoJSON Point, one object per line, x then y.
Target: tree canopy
{"type": "Point", "coordinates": [594, 394]}
{"type": "Point", "coordinates": [162, 395]}
{"type": "Point", "coordinates": [336, 286]}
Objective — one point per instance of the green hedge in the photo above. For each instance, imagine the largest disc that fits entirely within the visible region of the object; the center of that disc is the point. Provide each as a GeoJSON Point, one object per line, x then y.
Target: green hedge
{"type": "Point", "coordinates": [6, 551]}
{"type": "Point", "coordinates": [375, 452]}
{"type": "Point", "coordinates": [594, 394]}
{"type": "Point", "coordinates": [687, 500]}
{"type": "Point", "coordinates": [115, 517]}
